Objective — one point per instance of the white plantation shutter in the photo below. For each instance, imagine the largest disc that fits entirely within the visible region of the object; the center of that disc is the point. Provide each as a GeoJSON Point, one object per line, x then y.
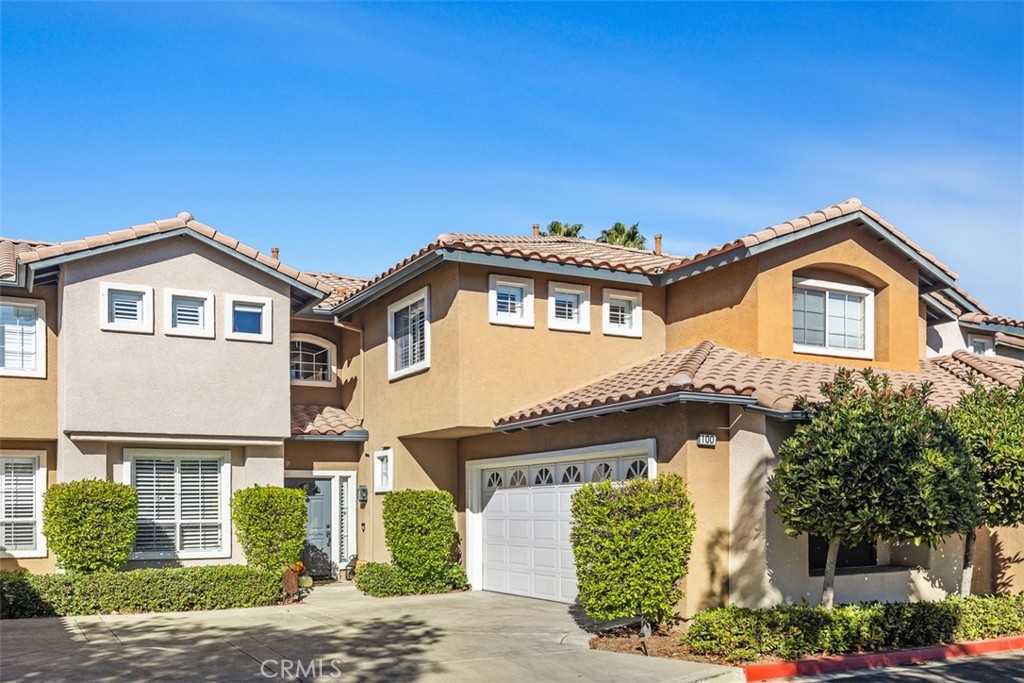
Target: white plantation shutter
{"type": "Point", "coordinates": [410, 335]}
{"type": "Point", "coordinates": [187, 312]}
{"type": "Point", "coordinates": [18, 337]}
{"type": "Point", "coordinates": [18, 498]}
{"type": "Point", "coordinates": [124, 307]}
{"type": "Point", "coordinates": [200, 505]}
{"type": "Point", "coordinates": [155, 482]}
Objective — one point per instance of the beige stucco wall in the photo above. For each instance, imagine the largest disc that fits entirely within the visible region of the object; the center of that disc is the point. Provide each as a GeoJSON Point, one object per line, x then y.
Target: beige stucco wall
{"type": "Point", "coordinates": [28, 405]}
{"type": "Point", "coordinates": [117, 382]}
{"type": "Point", "coordinates": [748, 305]}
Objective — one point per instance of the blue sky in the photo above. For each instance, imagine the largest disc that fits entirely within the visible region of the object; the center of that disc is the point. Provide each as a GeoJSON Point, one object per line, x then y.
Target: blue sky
{"type": "Point", "coordinates": [349, 135]}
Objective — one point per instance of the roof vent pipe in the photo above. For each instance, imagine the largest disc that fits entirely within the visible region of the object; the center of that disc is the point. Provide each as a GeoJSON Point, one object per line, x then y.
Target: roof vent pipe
{"type": "Point", "coordinates": [536, 229]}
{"type": "Point", "coordinates": [275, 252]}
{"type": "Point", "coordinates": [657, 244]}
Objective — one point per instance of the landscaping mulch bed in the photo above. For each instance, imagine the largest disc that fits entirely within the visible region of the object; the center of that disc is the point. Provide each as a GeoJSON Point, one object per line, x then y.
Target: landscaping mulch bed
{"type": "Point", "coordinates": [665, 644]}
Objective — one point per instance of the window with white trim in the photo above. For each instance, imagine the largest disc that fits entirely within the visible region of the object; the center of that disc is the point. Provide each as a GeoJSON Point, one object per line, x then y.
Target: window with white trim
{"type": "Point", "coordinates": [313, 361]}
{"type": "Point", "coordinates": [409, 335]}
{"type": "Point", "coordinates": [981, 344]}
{"type": "Point", "coordinates": [126, 308]}
{"type": "Point", "coordinates": [23, 338]}
{"type": "Point", "coordinates": [248, 318]}
{"type": "Point", "coordinates": [568, 307]}
{"type": "Point", "coordinates": [833, 319]}
{"type": "Point", "coordinates": [622, 313]}
{"type": "Point", "coordinates": [183, 503]}
{"type": "Point", "coordinates": [22, 482]}
{"type": "Point", "coordinates": [510, 300]}
{"type": "Point", "coordinates": [188, 314]}
{"type": "Point", "coordinates": [383, 472]}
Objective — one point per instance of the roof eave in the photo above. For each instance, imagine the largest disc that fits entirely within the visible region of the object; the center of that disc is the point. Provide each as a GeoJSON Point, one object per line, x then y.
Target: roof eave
{"type": "Point", "coordinates": [351, 435]}
{"type": "Point", "coordinates": [992, 327]}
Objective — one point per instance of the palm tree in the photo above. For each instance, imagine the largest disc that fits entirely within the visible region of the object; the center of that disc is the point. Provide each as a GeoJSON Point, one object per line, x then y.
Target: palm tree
{"type": "Point", "coordinates": [559, 229]}
{"type": "Point", "coordinates": [625, 237]}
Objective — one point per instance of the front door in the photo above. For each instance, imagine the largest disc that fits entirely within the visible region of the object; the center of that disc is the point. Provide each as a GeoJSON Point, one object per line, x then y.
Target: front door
{"type": "Point", "coordinates": [316, 553]}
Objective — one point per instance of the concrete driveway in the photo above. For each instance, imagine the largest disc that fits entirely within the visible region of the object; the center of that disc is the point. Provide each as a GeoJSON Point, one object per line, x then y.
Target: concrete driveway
{"type": "Point", "coordinates": [342, 635]}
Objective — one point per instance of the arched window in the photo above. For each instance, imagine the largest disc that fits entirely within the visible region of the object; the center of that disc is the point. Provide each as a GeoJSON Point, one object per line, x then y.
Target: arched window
{"type": "Point", "coordinates": [313, 361]}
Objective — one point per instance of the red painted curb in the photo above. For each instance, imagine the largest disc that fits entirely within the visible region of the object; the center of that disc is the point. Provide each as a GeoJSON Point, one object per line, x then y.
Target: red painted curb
{"type": "Point", "coordinates": [806, 667]}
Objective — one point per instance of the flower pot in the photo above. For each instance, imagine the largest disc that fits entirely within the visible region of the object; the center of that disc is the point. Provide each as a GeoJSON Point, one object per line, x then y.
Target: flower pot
{"type": "Point", "coordinates": [305, 582]}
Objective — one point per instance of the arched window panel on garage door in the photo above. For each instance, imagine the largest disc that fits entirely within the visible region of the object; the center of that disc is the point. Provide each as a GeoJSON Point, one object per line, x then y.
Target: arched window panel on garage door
{"type": "Point", "coordinates": [601, 470]}
{"type": "Point", "coordinates": [634, 468]}
{"type": "Point", "coordinates": [571, 473]}
{"type": "Point", "coordinates": [517, 477]}
{"type": "Point", "coordinates": [493, 479]}
{"type": "Point", "coordinates": [543, 475]}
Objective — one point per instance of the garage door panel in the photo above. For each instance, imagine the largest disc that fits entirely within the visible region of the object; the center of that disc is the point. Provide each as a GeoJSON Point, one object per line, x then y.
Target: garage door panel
{"type": "Point", "coordinates": [519, 530]}
{"type": "Point", "coordinates": [495, 529]}
{"type": "Point", "coordinates": [520, 582]}
{"type": "Point", "coordinates": [545, 501]}
{"type": "Point", "coordinates": [545, 531]}
{"type": "Point", "coordinates": [518, 501]}
{"type": "Point", "coordinates": [545, 586]}
{"type": "Point", "coordinates": [566, 561]}
{"type": "Point", "coordinates": [545, 558]}
{"type": "Point", "coordinates": [519, 555]}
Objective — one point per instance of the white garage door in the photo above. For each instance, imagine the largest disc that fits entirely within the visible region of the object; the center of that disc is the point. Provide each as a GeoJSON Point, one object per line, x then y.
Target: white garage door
{"type": "Point", "coordinates": [526, 522]}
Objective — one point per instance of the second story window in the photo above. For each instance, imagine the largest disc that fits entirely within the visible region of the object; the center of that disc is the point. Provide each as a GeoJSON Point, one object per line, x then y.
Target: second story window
{"type": "Point", "coordinates": [622, 313]}
{"type": "Point", "coordinates": [981, 344]}
{"type": "Point", "coordinates": [312, 361]}
{"type": "Point", "coordinates": [510, 300]}
{"type": "Point", "coordinates": [409, 335]}
{"type": "Point", "coordinates": [833, 319]}
{"type": "Point", "coordinates": [248, 318]}
{"type": "Point", "coordinates": [126, 308]}
{"type": "Point", "coordinates": [188, 314]}
{"type": "Point", "coordinates": [22, 338]}
{"type": "Point", "coordinates": [568, 307]}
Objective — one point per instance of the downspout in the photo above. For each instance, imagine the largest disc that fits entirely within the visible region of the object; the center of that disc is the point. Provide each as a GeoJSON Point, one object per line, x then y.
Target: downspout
{"type": "Point", "coordinates": [362, 364]}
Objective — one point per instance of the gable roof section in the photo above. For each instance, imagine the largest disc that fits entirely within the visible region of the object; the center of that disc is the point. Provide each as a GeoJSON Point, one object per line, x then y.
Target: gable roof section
{"type": "Point", "coordinates": [44, 255]}
{"type": "Point", "coordinates": [719, 374]}
{"type": "Point", "coordinates": [326, 423]}
{"type": "Point", "coordinates": [340, 285]}
{"type": "Point", "coordinates": [988, 319]}
{"type": "Point", "coordinates": [10, 250]}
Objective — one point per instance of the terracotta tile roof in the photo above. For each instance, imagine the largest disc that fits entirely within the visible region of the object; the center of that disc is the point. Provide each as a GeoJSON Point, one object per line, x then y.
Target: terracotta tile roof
{"type": "Point", "coordinates": [843, 208]}
{"type": "Point", "coordinates": [982, 318]}
{"type": "Point", "coordinates": [776, 384]}
{"type": "Point", "coordinates": [341, 286]}
{"type": "Point", "coordinates": [182, 220]}
{"type": "Point", "coordinates": [1009, 340]}
{"type": "Point", "coordinates": [321, 420]}
{"type": "Point", "coordinates": [10, 250]}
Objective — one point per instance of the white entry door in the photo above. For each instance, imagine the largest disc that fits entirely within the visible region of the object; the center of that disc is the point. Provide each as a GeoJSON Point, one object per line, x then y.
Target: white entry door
{"type": "Point", "coordinates": [526, 516]}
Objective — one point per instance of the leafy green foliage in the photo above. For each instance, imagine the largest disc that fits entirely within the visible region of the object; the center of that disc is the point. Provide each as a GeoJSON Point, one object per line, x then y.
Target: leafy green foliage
{"type": "Point", "coordinates": [624, 236]}
{"type": "Point", "coordinates": [793, 631]}
{"type": "Point", "coordinates": [991, 425]}
{"type": "Point", "coordinates": [875, 462]}
{"type": "Point", "coordinates": [171, 589]}
{"type": "Point", "coordinates": [559, 229]}
{"type": "Point", "coordinates": [632, 543]}
{"type": "Point", "coordinates": [419, 529]}
{"type": "Point", "coordinates": [90, 524]}
{"type": "Point", "coordinates": [270, 522]}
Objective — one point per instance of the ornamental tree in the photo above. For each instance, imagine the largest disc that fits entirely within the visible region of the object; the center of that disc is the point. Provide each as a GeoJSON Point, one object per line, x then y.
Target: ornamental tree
{"type": "Point", "coordinates": [873, 462]}
{"type": "Point", "coordinates": [991, 424]}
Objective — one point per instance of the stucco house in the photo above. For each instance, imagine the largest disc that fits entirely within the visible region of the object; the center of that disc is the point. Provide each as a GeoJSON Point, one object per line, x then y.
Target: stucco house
{"type": "Point", "coordinates": [508, 370]}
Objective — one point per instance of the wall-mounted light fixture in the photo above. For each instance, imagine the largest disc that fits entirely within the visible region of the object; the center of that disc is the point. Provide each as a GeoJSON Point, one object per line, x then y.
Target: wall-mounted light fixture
{"type": "Point", "coordinates": [363, 494]}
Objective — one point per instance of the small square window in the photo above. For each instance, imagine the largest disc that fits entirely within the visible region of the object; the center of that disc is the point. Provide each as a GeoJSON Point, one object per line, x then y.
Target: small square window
{"type": "Point", "coordinates": [510, 301]}
{"type": "Point", "coordinates": [622, 313]}
{"type": "Point", "coordinates": [248, 318]}
{"type": "Point", "coordinates": [126, 308]}
{"type": "Point", "coordinates": [382, 471]}
{"type": "Point", "coordinates": [188, 314]}
{"type": "Point", "coordinates": [981, 344]}
{"type": "Point", "coordinates": [568, 307]}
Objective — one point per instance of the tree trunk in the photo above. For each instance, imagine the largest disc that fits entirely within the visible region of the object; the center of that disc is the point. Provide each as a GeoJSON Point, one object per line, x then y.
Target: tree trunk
{"type": "Point", "coordinates": [828, 585]}
{"type": "Point", "coordinates": [965, 584]}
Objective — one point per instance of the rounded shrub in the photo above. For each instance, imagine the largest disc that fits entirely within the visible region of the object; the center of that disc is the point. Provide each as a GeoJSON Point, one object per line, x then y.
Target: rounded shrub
{"type": "Point", "coordinates": [419, 529]}
{"type": "Point", "coordinates": [90, 524]}
{"type": "Point", "coordinates": [632, 543]}
{"type": "Point", "coordinates": [270, 522]}
{"type": "Point", "coordinates": [381, 579]}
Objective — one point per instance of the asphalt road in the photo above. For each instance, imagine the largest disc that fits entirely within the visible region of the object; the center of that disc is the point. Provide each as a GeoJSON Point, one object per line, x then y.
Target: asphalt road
{"type": "Point", "coordinates": [1005, 667]}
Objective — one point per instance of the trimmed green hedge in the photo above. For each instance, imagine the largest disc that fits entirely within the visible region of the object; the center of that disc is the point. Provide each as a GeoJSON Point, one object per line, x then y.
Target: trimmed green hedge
{"type": "Point", "coordinates": [382, 580]}
{"type": "Point", "coordinates": [170, 589]}
{"type": "Point", "coordinates": [270, 522]}
{"type": "Point", "coordinates": [90, 524]}
{"type": "Point", "coordinates": [738, 634]}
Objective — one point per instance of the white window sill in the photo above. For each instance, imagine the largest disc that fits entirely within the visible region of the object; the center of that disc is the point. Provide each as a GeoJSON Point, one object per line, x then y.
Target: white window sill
{"type": "Point", "coordinates": [134, 329]}
{"type": "Point", "coordinates": [838, 353]}
{"type": "Point", "coordinates": [326, 384]}
{"type": "Point", "coordinates": [39, 373]}
{"type": "Point", "coordinates": [198, 334]}
{"type": "Point", "coordinates": [511, 322]}
{"type": "Point", "coordinates": [22, 554]}
{"type": "Point", "coordinates": [552, 325]}
{"type": "Point", "coordinates": [632, 334]}
{"type": "Point", "coordinates": [204, 555]}
{"type": "Point", "coordinates": [248, 337]}
{"type": "Point", "coordinates": [411, 370]}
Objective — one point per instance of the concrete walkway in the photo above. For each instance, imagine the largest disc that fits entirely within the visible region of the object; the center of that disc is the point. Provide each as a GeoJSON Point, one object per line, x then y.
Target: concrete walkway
{"type": "Point", "coordinates": [343, 635]}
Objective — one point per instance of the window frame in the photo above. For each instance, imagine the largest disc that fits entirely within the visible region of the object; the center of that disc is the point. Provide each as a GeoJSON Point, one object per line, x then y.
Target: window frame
{"type": "Point", "coordinates": [383, 459]}
{"type": "Point", "coordinates": [207, 331]}
{"type": "Point", "coordinates": [567, 325]}
{"type": "Point", "coordinates": [395, 373]}
{"type": "Point", "coordinates": [173, 454]}
{"type": "Point", "coordinates": [332, 360]}
{"type": "Point", "coordinates": [826, 286]}
{"type": "Point", "coordinates": [989, 342]}
{"type": "Point", "coordinates": [39, 372]}
{"type": "Point", "coordinates": [39, 457]}
{"type": "Point", "coordinates": [636, 329]}
{"type": "Point", "coordinates": [144, 326]}
{"type": "Point", "coordinates": [496, 318]}
{"type": "Point", "coordinates": [266, 333]}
